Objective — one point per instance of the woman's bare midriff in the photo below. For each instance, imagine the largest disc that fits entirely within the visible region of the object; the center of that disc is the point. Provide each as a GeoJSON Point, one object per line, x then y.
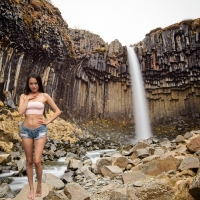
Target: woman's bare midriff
{"type": "Point", "coordinates": [31, 121]}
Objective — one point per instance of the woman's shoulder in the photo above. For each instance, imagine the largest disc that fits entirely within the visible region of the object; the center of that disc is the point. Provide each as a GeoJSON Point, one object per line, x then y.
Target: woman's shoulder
{"type": "Point", "coordinates": [45, 95]}
{"type": "Point", "coordinates": [23, 95]}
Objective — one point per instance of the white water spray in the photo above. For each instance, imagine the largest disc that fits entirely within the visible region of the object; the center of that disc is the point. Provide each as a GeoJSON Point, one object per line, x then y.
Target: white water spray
{"type": "Point", "coordinates": [142, 122]}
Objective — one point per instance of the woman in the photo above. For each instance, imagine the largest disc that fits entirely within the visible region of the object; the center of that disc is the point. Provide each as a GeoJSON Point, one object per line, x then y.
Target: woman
{"type": "Point", "coordinates": [34, 132]}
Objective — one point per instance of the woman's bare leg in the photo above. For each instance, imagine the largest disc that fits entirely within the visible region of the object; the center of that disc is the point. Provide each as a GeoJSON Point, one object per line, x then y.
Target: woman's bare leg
{"type": "Point", "coordinates": [28, 148]}
{"type": "Point", "coordinates": [39, 146]}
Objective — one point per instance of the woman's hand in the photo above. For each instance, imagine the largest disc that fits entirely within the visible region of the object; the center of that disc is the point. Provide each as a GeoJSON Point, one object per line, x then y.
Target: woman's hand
{"type": "Point", "coordinates": [32, 96]}
{"type": "Point", "coordinates": [42, 121]}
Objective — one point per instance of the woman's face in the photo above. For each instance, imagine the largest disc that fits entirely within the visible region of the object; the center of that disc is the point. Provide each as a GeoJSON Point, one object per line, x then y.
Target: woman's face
{"type": "Point", "coordinates": [33, 85]}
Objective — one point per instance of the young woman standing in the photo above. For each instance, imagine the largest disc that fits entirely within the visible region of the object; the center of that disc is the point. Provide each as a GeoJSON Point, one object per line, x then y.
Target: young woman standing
{"type": "Point", "coordinates": [34, 131]}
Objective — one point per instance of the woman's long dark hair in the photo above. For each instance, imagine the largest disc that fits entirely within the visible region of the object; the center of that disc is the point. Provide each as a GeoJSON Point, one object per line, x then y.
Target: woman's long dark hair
{"type": "Point", "coordinates": [39, 81]}
{"type": "Point", "coordinates": [40, 86]}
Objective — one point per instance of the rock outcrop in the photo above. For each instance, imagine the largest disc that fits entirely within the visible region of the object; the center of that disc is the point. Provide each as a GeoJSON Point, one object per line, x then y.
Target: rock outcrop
{"type": "Point", "coordinates": [89, 78]}
{"type": "Point", "coordinates": [170, 64]}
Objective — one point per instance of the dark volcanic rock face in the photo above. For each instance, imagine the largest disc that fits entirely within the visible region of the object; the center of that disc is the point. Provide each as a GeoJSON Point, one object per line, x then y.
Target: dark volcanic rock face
{"type": "Point", "coordinates": [33, 36]}
{"type": "Point", "coordinates": [89, 78]}
{"type": "Point", "coordinates": [170, 63]}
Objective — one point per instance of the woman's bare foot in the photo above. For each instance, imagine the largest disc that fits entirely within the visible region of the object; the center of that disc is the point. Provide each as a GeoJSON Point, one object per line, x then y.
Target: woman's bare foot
{"type": "Point", "coordinates": [38, 192]}
{"type": "Point", "coordinates": [31, 195]}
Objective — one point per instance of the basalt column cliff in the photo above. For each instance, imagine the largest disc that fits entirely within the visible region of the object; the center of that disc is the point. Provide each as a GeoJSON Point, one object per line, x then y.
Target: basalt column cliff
{"type": "Point", "coordinates": [89, 78]}
{"type": "Point", "coordinates": [170, 64]}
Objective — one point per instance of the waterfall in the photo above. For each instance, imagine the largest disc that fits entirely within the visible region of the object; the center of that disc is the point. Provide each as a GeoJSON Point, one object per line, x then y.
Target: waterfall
{"type": "Point", "coordinates": [141, 114]}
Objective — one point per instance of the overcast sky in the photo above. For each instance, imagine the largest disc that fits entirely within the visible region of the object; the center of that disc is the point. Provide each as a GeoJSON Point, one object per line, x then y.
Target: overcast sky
{"type": "Point", "coordinates": [125, 20]}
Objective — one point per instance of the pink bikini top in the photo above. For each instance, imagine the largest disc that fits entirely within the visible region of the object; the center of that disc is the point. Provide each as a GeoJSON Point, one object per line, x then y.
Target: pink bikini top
{"type": "Point", "coordinates": [35, 107]}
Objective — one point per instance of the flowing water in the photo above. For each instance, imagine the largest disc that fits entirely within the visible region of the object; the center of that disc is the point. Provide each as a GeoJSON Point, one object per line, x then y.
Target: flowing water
{"type": "Point", "coordinates": [56, 168]}
{"type": "Point", "coordinates": [141, 114]}
{"type": "Point", "coordinates": [95, 155]}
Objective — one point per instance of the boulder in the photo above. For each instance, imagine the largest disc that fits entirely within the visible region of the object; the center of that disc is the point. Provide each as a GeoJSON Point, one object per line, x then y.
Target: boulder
{"type": "Point", "coordinates": [156, 167]}
{"type": "Point", "coordinates": [111, 171]}
{"type": "Point", "coordinates": [23, 193]}
{"type": "Point", "coordinates": [133, 176]}
{"type": "Point", "coordinates": [194, 189]}
{"type": "Point", "coordinates": [194, 144]}
{"type": "Point", "coordinates": [189, 162]}
{"type": "Point", "coordinates": [75, 192]}
{"type": "Point", "coordinates": [53, 180]}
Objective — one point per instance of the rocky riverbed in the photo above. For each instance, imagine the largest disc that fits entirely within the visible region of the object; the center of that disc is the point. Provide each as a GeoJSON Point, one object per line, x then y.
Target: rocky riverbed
{"type": "Point", "coordinates": [156, 168]}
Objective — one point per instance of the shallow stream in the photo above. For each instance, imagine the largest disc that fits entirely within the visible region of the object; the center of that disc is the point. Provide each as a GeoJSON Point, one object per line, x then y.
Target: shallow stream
{"type": "Point", "coordinates": [56, 168]}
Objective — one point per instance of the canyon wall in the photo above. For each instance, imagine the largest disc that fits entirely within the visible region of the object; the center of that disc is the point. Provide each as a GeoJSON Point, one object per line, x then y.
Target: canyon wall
{"type": "Point", "coordinates": [85, 76]}
{"type": "Point", "coordinates": [170, 64]}
{"type": "Point", "coordinates": [89, 78]}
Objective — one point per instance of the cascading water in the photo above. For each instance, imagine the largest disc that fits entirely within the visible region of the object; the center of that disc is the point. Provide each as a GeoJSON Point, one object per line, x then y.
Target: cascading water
{"type": "Point", "coordinates": [142, 122]}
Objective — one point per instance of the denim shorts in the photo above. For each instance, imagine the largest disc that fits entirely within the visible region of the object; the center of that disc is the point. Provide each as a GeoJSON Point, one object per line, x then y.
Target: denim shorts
{"type": "Point", "coordinates": [35, 134]}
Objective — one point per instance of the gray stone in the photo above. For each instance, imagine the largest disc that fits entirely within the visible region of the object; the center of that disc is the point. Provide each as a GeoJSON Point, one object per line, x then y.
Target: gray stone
{"type": "Point", "coordinates": [75, 164]}
{"type": "Point", "coordinates": [142, 153]}
{"type": "Point", "coordinates": [188, 135]}
{"type": "Point", "coordinates": [111, 171]}
{"type": "Point", "coordinates": [131, 177]}
{"type": "Point", "coordinates": [189, 162]}
{"type": "Point", "coordinates": [179, 139]}
{"type": "Point", "coordinates": [164, 142]}
{"type": "Point", "coordinates": [53, 180]}
{"type": "Point", "coordinates": [75, 192]}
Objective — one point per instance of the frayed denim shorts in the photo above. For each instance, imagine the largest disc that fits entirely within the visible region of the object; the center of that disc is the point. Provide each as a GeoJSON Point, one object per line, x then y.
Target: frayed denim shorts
{"type": "Point", "coordinates": [35, 134]}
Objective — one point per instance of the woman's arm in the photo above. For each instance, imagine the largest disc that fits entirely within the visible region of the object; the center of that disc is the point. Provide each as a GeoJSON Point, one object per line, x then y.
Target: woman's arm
{"type": "Point", "coordinates": [55, 108]}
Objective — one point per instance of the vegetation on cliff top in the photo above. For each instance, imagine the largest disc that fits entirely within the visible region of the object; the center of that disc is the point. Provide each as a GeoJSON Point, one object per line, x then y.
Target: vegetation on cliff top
{"type": "Point", "coordinates": [39, 21]}
{"type": "Point", "coordinates": [193, 23]}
